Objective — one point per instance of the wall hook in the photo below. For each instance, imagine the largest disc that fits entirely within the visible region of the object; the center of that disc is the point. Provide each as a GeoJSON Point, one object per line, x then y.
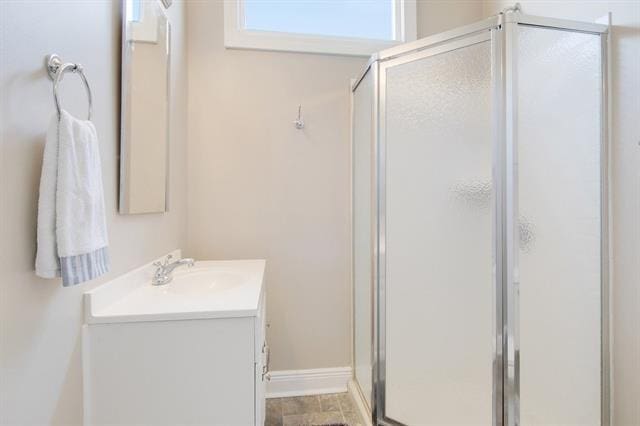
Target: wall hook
{"type": "Point", "coordinates": [299, 122]}
{"type": "Point", "coordinates": [514, 9]}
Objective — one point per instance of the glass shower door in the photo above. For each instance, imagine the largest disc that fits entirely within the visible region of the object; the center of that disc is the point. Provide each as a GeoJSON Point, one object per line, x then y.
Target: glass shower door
{"type": "Point", "coordinates": [559, 92]}
{"type": "Point", "coordinates": [437, 311]}
{"type": "Point", "coordinates": [362, 164]}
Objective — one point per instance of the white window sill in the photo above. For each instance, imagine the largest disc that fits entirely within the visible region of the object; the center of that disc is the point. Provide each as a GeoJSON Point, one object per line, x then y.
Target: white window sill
{"type": "Point", "coordinates": [286, 42]}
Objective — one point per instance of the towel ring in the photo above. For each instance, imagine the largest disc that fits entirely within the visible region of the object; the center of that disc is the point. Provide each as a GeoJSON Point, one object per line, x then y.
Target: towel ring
{"type": "Point", "coordinates": [56, 69]}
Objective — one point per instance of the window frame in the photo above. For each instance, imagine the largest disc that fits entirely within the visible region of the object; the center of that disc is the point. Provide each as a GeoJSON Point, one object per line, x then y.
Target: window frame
{"type": "Point", "coordinates": [238, 37]}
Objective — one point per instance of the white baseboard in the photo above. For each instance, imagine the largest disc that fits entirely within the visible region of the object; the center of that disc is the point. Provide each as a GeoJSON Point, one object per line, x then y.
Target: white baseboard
{"type": "Point", "coordinates": [360, 403]}
{"type": "Point", "coordinates": [286, 383]}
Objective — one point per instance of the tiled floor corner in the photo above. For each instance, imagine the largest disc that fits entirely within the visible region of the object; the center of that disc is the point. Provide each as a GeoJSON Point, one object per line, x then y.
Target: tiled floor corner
{"type": "Point", "coordinates": [313, 410]}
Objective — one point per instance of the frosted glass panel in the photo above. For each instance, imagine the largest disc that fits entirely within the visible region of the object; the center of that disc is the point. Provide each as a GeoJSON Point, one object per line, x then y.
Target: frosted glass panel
{"type": "Point", "coordinates": [362, 229]}
{"type": "Point", "coordinates": [559, 89]}
{"type": "Point", "coordinates": [439, 248]}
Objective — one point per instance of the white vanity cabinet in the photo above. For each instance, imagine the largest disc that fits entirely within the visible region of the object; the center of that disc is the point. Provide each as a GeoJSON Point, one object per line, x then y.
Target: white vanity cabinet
{"type": "Point", "coordinates": [180, 366]}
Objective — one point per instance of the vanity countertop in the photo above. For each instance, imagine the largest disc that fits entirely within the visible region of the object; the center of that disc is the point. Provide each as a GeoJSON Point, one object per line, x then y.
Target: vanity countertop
{"type": "Point", "coordinates": [209, 289]}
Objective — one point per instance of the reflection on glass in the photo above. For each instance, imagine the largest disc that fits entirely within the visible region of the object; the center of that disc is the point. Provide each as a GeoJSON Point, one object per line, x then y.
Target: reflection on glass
{"type": "Point", "coordinates": [145, 108]}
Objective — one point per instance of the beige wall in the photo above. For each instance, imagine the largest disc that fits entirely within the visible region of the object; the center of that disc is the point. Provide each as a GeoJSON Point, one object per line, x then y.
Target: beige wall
{"type": "Point", "coordinates": [625, 185]}
{"type": "Point", "coordinates": [260, 188]}
{"type": "Point", "coordinates": [435, 16]}
{"type": "Point", "coordinates": [39, 320]}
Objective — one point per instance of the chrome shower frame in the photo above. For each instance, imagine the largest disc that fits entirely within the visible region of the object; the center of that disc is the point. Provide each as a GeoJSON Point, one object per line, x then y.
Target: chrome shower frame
{"type": "Point", "coordinates": [501, 31]}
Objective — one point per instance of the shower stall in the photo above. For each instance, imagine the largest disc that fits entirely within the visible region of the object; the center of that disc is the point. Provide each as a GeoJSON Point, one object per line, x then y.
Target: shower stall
{"type": "Point", "coordinates": [480, 231]}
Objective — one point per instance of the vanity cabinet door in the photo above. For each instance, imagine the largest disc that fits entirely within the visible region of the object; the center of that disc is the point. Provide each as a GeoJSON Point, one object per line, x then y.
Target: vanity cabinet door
{"type": "Point", "coordinates": [165, 373]}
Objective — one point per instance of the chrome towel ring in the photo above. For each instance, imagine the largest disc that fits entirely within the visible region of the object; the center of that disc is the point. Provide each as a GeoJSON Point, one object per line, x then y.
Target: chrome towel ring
{"type": "Point", "coordinates": [56, 69]}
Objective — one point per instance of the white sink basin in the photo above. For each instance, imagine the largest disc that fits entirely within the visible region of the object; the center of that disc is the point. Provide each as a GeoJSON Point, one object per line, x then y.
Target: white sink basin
{"type": "Point", "coordinates": [202, 280]}
{"type": "Point", "coordinates": [209, 289]}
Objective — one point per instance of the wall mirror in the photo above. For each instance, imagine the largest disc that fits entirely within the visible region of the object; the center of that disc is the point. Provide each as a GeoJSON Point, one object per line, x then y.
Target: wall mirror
{"type": "Point", "coordinates": [144, 131]}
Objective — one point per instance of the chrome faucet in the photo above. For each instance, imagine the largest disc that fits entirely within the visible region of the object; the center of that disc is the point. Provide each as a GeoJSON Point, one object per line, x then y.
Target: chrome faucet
{"type": "Point", "coordinates": [164, 269]}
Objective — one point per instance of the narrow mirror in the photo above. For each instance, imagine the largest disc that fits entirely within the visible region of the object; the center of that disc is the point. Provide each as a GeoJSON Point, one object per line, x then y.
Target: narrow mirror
{"type": "Point", "coordinates": [144, 108]}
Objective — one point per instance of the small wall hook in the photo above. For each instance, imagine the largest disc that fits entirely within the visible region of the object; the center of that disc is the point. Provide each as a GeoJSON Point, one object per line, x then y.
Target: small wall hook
{"type": "Point", "coordinates": [512, 9]}
{"type": "Point", "coordinates": [299, 122]}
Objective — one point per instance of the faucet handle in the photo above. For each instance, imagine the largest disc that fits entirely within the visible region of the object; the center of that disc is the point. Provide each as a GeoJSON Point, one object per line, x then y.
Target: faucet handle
{"type": "Point", "coordinates": [165, 262]}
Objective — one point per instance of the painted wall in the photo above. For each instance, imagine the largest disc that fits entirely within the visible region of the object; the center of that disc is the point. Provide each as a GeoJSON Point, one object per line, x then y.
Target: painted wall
{"type": "Point", "coordinates": [625, 153]}
{"type": "Point", "coordinates": [435, 16]}
{"type": "Point", "coordinates": [260, 188]}
{"type": "Point", "coordinates": [39, 320]}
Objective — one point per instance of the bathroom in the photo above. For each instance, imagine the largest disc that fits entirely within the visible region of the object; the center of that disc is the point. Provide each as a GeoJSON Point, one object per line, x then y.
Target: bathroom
{"type": "Point", "coordinates": [256, 165]}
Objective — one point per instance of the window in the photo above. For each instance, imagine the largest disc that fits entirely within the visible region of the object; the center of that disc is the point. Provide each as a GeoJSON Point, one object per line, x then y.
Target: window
{"type": "Point", "coordinates": [345, 27]}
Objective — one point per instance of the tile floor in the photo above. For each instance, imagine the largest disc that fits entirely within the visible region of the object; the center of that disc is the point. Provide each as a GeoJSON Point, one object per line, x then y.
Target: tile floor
{"type": "Point", "coordinates": [313, 410]}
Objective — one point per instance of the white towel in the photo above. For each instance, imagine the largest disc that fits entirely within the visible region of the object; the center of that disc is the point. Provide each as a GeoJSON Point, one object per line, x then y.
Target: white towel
{"type": "Point", "coordinates": [72, 228]}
